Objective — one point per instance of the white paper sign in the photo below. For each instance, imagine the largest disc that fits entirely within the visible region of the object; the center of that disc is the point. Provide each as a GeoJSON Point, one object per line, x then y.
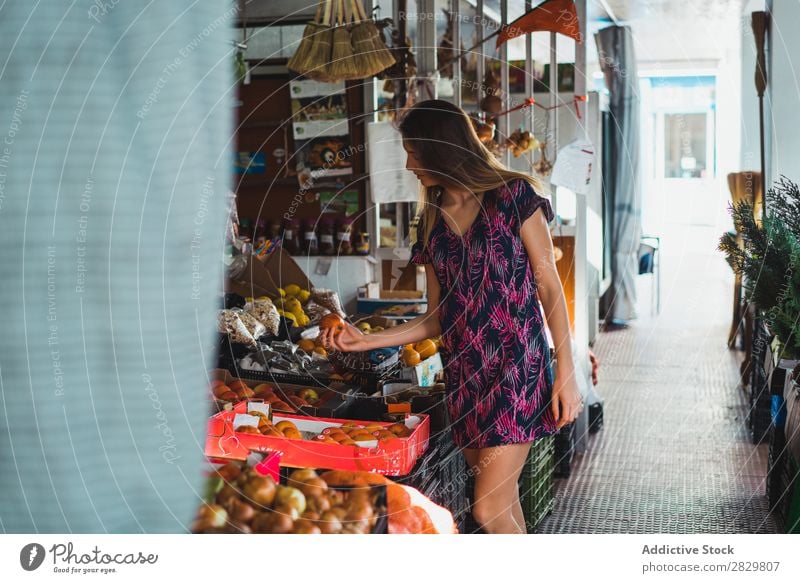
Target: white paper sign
{"type": "Point", "coordinates": [258, 407]}
{"type": "Point", "coordinates": [573, 167]}
{"type": "Point", "coordinates": [389, 179]}
{"type": "Point", "coordinates": [240, 420]}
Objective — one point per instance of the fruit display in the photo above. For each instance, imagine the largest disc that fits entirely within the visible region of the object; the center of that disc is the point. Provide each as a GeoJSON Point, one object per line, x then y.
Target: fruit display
{"type": "Point", "coordinates": [408, 510]}
{"type": "Point", "coordinates": [284, 398]}
{"type": "Point", "coordinates": [355, 434]}
{"type": "Point", "coordinates": [413, 354]}
{"type": "Point", "coordinates": [290, 302]}
{"type": "Point", "coordinates": [241, 500]}
{"type": "Point", "coordinates": [391, 448]}
{"type": "Point", "coordinates": [366, 328]}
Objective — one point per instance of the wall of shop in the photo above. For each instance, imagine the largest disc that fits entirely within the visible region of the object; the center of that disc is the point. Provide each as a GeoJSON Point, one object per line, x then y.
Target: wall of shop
{"type": "Point", "coordinates": [749, 153]}
{"type": "Point", "coordinates": [784, 92]}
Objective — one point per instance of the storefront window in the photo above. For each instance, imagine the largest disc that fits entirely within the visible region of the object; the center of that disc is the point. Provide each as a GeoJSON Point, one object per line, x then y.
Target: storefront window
{"type": "Point", "coordinates": [685, 145]}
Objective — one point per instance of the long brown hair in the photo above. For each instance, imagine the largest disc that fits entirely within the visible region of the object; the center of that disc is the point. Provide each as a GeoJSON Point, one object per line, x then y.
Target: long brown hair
{"type": "Point", "coordinates": [446, 145]}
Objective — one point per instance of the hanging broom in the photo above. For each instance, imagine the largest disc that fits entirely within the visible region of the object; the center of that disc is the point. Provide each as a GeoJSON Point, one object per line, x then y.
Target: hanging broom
{"type": "Point", "coordinates": [342, 65]}
{"type": "Point", "coordinates": [299, 62]}
{"type": "Point", "coordinates": [317, 63]}
{"type": "Point", "coordinates": [370, 52]}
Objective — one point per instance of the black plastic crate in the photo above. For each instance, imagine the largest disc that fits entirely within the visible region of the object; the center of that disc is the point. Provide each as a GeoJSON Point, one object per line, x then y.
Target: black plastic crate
{"type": "Point", "coordinates": [535, 487]}
{"type": "Point", "coordinates": [759, 417]}
{"type": "Point", "coordinates": [536, 482]}
{"type": "Point", "coordinates": [564, 451]}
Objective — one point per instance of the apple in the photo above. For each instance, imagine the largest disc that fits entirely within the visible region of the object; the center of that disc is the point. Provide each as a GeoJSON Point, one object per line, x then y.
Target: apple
{"type": "Point", "coordinates": [261, 490]}
{"type": "Point", "coordinates": [309, 395]}
{"type": "Point", "coordinates": [291, 497]}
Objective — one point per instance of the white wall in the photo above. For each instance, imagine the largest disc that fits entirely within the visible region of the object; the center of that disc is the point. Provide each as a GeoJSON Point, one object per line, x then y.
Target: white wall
{"type": "Point", "coordinates": [749, 155]}
{"type": "Point", "coordinates": [783, 114]}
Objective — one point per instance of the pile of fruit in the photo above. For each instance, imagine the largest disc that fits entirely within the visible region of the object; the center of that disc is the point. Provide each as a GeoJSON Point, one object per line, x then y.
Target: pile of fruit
{"type": "Point", "coordinates": [366, 328]}
{"type": "Point", "coordinates": [290, 304]}
{"type": "Point", "coordinates": [283, 428]}
{"type": "Point", "coordinates": [285, 399]}
{"type": "Point", "coordinates": [352, 433]}
{"type": "Point", "coordinates": [240, 500]}
{"type": "Point", "coordinates": [413, 354]}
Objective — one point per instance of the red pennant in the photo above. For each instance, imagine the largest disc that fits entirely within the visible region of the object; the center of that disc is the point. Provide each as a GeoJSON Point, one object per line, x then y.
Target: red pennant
{"type": "Point", "coordinates": [552, 15]}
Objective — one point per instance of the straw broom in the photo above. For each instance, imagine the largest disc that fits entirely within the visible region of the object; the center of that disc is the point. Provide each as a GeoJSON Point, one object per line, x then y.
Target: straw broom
{"type": "Point", "coordinates": [300, 62]}
{"type": "Point", "coordinates": [371, 53]}
{"type": "Point", "coordinates": [299, 59]}
{"type": "Point", "coordinates": [316, 64]}
{"type": "Point", "coordinates": [342, 65]}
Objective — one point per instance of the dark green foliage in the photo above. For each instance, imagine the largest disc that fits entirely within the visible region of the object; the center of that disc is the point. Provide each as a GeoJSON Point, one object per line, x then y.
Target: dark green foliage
{"type": "Point", "coordinates": [769, 261]}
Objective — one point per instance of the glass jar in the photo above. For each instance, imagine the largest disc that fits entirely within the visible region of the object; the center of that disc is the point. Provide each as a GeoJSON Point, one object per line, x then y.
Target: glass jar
{"type": "Point", "coordinates": [326, 236]}
{"type": "Point", "coordinates": [343, 236]}
{"type": "Point", "coordinates": [274, 231]}
{"type": "Point", "coordinates": [309, 245]}
{"type": "Point", "coordinates": [291, 237]}
{"type": "Point", "coordinates": [361, 246]}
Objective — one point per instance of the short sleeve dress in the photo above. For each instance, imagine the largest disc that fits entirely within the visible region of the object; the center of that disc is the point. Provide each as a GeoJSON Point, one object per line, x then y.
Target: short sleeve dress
{"type": "Point", "coordinates": [495, 351]}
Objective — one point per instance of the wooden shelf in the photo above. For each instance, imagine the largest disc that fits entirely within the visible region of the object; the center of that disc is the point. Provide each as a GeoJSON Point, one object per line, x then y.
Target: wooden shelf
{"type": "Point", "coordinates": [330, 182]}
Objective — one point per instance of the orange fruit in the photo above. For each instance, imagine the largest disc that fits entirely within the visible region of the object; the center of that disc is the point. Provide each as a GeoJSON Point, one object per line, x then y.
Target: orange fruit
{"type": "Point", "coordinates": [411, 357]}
{"type": "Point", "coordinates": [332, 321]}
{"type": "Point", "coordinates": [426, 348]}
{"type": "Point", "coordinates": [306, 344]}
{"type": "Point", "coordinates": [284, 425]}
{"type": "Point", "coordinates": [292, 433]}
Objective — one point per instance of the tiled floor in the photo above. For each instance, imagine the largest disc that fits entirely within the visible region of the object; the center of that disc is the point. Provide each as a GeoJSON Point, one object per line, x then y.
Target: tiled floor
{"type": "Point", "coordinates": [674, 455]}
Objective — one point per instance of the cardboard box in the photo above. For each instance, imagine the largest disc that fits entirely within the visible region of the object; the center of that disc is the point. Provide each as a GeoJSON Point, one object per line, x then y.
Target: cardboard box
{"type": "Point", "coordinates": [389, 294]}
{"type": "Point", "coordinates": [278, 269]}
{"type": "Point", "coordinates": [424, 374]}
{"type": "Point", "coordinates": [335, 397]}
{"type": "Point", "coordinates": [392, 458]}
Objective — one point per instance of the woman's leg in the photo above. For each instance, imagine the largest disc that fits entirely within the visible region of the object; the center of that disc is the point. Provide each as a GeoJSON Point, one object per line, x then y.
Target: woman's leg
{"type": "Point", "coordinates": [496, 500]}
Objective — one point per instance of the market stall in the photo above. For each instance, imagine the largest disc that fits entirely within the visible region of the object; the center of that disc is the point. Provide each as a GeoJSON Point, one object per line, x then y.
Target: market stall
{"type": "Point", "coordinates": [325, 213]}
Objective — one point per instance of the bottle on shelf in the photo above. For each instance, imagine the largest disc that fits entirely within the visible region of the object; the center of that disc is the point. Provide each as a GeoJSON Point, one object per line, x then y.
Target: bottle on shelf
{"type": "Point", "coordinates": [327, 231]}
{"type": "Point", "coordinates": [309, 245]}
{"type": "Point", "coordinates": [291, 236]}
{"type": "Point", "coordinates": [361, 246]}
{"type": "Point", "coordinates": [343, 234]}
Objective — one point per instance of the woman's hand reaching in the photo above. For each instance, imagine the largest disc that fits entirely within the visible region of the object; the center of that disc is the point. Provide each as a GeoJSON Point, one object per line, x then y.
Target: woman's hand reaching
{"type": "Point", "coordinates": [350, 339]}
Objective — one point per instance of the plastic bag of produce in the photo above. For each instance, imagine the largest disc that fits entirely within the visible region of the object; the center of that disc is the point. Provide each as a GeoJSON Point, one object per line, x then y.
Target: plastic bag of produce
{"type": "Point", "coordinates": [265, 312]}
{"type": "Point", "coordinates": [230, 323]}
{"type": "Point", "coordinates": [256, 328]}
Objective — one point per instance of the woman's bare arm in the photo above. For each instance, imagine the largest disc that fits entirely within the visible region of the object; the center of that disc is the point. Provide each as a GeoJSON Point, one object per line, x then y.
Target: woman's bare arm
{"type": "Point", "coordinates": [351, 339]}
{"type": "Point", "coordinates": [539, 246]}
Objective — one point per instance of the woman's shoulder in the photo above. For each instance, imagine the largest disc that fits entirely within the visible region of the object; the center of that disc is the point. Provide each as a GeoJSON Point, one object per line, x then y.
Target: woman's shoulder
{"type": "Point", "coordinates": [518, 198]}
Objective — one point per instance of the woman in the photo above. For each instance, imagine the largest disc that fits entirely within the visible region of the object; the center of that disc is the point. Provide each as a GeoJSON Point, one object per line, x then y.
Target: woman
{"type": "Point", "coordinates": [486, 247]}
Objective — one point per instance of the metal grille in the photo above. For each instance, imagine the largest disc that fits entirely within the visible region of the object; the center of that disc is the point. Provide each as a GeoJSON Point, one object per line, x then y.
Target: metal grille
{"type": "Point", "coordinates": [675, 453]}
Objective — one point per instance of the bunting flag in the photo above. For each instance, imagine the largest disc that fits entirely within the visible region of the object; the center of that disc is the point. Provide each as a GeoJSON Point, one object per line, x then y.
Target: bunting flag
{"type": "Point", "coordinates": [551, 15]}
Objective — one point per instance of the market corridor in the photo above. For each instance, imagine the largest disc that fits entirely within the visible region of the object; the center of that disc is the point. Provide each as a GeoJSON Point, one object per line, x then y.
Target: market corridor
{"type": "Point", "coordinates": [674, 455]}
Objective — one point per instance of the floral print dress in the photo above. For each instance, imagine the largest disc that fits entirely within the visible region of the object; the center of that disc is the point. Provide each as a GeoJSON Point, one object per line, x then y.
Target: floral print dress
{"type": "Point", "coordinates": [495, 351]}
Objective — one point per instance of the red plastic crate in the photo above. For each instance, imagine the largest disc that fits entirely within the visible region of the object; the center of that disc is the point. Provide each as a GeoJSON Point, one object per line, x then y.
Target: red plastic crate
{"type": "Point", "coordinates": [392, 458]}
